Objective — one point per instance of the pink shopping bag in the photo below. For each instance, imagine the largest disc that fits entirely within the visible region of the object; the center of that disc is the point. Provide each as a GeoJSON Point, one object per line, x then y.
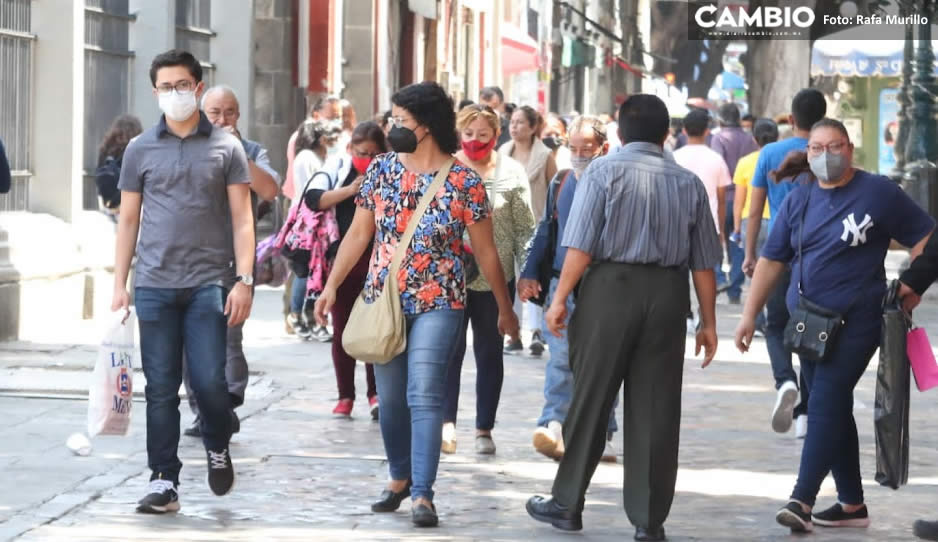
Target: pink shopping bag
{"type": "Point", "coordinates": [922, 359]}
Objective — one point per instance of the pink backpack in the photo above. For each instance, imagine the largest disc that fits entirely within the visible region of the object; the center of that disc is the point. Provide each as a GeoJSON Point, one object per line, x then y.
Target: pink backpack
{"type": "Point", "coordinates": [304, 241]}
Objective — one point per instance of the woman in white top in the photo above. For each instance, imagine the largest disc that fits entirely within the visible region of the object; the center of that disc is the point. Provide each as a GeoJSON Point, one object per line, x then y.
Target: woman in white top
{"type": "Point", "coordinates": [538, 161]}
{"type": "Point", "coordinates": [315, 142]}
{"type": "Point", "coordinates": [506, 183]}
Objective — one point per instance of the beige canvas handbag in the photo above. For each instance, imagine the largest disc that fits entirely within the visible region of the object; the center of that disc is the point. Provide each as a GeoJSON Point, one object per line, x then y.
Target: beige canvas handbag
{"type": "Point", "coordinates": [377, 332]}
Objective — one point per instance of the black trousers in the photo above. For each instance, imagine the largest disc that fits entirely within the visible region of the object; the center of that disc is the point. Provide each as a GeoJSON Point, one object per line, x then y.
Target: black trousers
{"type": "Point", "coordinates": [488, 345]}
{"type": "Point", "coordinates": [629, 327]}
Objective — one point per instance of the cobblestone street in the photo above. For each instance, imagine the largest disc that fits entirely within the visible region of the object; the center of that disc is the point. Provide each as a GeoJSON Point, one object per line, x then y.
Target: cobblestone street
{"type": "Point", "coordinates": [304, 475]}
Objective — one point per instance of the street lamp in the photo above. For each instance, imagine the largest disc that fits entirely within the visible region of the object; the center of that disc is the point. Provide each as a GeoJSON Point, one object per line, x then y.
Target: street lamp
{"type": "Point", "coordinates": [921, 153]}
{"type": "Point", "coordinates": [905, 9]}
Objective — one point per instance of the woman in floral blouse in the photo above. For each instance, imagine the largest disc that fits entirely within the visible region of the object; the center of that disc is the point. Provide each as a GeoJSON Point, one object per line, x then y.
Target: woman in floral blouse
{"type": "Point", "coordinates": [431, 281]}
{"type": "Point", "coordinates": [506, 183]}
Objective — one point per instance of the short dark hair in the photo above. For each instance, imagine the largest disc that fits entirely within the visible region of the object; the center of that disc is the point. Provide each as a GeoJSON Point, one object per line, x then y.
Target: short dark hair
{"type": "Point", "coordinates": [432, 107]}
{"type": "Point", "coordinates": [765, 131]}
{"type": "Point", "coordinates": [176, 57]}
{"type": "Point", "coordinates": [729, 114]}
{"type": "Point", "coordinates": [832, 123]}
{"type": "Point", "coordinates": [696, 122]}
{"type": "Point", "coordinates": [464, 103]}
{"type": "Point", "coordinates": [644, 117]}
{"type": "Point", "coordinates": [309, 135]}
{"type": "Point", "coordinates": [487, 93]}
{"type": "Point", "coordinates": [370, 131]}
{"type": "Point", "coordinates": [808, 107]}
{"type": "Point", "coordinates": [749, 117]}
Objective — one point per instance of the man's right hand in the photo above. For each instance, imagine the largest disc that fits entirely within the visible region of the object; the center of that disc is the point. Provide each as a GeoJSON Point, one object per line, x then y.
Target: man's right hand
{"type": "Point", "coordinates": [121, 300]}
{"type": "Point", "coordinates": [910, 299]}
{"type": "Point", "coordinates": [528, 288]}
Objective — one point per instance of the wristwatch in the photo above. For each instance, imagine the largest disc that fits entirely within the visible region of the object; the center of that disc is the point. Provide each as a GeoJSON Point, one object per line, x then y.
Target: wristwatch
{"type": "Point", "coordinates": [248, 280]}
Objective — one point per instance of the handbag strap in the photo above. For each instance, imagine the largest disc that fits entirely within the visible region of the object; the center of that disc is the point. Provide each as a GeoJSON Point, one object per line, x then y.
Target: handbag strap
{"type": "Point", "coordinates": [414, 221]}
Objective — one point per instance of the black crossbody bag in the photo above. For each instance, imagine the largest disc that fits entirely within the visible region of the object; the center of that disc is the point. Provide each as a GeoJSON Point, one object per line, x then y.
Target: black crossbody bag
{"type": "Point", "coordinates": [812, 329]}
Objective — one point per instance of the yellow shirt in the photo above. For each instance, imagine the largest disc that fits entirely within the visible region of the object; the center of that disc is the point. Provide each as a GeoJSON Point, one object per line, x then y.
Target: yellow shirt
{"type": "Point", "coordinates": [745, 169]}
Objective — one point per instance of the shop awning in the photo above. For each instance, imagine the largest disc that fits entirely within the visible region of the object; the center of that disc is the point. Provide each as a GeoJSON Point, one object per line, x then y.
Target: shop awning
{"type": "Point", "coordinates": [519, 51]}
{"type": "Point", "coordinates": [857, 58]}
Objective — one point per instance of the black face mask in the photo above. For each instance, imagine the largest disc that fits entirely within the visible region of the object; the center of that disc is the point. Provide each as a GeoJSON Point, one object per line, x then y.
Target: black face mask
{"type": "Point", "coordinates": [402, 140]}
{"type": "Point", "coordinates": [552, 142]}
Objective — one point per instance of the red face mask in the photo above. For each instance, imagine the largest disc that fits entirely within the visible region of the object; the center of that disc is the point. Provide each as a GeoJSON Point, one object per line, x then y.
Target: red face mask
{"type": "Point", "coordinates": [476, 150]}
{"type": "Point", "coordinates": [361, 163]}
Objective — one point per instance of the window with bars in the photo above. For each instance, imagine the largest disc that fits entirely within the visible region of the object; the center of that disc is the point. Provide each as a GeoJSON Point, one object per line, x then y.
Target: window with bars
{"type": "Point", "coordinates": [194, 33]}
{"type": "Point", "coordinates": [107, 79]}
{"type": "Point", "coordinates": [16, 80]}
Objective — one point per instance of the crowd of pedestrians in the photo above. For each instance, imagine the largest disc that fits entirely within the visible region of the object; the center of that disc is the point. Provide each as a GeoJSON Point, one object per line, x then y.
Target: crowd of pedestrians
{"type": "Point", "coordinates": [497, 217]}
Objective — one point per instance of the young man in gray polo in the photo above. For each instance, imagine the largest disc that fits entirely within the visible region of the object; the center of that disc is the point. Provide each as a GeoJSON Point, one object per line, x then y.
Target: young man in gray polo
{"type": "Point", "coordinates": [185, 190]}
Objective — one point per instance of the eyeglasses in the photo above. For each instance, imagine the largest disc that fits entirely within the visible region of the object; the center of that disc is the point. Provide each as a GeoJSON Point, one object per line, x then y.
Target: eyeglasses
{"type": "Point", "coordinates": [835, 147]}
{"type": "Point", "coordinates": [398, 122]}
{"type": "Point", "coordinates": [359, 154]}
{"type": "Point", "coordinates": [180, 87]}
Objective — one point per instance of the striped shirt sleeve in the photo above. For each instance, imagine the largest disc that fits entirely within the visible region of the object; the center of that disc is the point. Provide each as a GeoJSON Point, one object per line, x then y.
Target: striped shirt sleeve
{"type": "Point", "coordinates": [705, 250]}
{"type": "Point", "coordinates": [587, 214]}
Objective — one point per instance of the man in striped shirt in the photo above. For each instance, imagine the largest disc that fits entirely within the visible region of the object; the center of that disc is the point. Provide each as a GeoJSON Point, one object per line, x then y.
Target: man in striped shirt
{"type": "Point", "coordinates": [639, 222]}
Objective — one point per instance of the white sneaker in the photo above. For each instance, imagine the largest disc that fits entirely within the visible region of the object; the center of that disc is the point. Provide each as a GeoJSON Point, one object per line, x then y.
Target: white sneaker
{"type": "Point", "coordinates": [609, 453]}
{"type": "Point", "coordinates": [801, 426]}
{"type": "Point", "coordinates": [449, 438]}
{"type": "Point", "coordinates": [549, 440]}
{"type": "Point", "coordinates": [784, 406]}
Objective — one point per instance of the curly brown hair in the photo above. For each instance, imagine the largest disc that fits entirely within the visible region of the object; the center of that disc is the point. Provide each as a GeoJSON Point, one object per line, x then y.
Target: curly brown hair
{"type": "Point", "coordinates": [122, 130]}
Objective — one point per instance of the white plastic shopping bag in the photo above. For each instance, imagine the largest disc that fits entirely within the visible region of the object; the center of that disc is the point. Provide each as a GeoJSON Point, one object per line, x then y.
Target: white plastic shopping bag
{"type": "Point", "coordinates": [110, 395]}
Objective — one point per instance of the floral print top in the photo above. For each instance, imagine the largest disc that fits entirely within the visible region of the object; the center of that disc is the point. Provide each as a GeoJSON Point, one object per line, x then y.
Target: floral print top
{"type": "Point", "coordinates": [431, 276]}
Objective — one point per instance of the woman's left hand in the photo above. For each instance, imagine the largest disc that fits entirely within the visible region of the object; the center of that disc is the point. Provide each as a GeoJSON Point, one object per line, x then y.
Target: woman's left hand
{"type": "Point", "coordinates": [508, 323]}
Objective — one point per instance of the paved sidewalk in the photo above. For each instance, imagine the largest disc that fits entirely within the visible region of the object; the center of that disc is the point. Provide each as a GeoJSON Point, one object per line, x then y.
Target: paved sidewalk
{"type": "Point", "coordinates": [304, 475]}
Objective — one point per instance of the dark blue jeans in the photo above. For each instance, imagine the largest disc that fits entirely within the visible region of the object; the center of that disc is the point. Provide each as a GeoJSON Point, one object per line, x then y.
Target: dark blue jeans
{"type": "Point", "coordinates": [776, 310]}
{"type": "Point", "coordinates": [831, 445]}
{"type": "Point", "coordinates": [736, 254]}
{"type": "Point", "coordinates": [487, 343]}
{"type": "Point", "coordinates": [411, 389]}
{"type": "Point", "coordinates": [298, 295]}
{"type": "Point", "coordinates": [170, 320]}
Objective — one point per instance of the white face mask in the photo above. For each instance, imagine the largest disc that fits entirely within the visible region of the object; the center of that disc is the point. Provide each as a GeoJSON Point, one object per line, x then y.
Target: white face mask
{"type": "Point", "coordinates": [177, 106]}
{"type": "Point", "coordinates": [334, 150]}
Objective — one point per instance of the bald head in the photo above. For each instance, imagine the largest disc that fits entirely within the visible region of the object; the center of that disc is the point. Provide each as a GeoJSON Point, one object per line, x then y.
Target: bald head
{"type": "Point", "coordinates": [220, 104]}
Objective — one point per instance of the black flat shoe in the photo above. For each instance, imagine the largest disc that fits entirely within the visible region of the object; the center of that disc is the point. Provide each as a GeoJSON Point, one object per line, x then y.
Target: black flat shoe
{"type": "Point", "coordinates": [650, 533]}
{"type": "Point", "coordinates": [390, 501]}
{"type": "Point", "coordinates": [551, 511]}
{"type": "Point", "coordinates": [424, 516]}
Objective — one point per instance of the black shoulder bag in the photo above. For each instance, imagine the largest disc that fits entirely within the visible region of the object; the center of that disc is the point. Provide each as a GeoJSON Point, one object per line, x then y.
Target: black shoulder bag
{"type": "Point", "coordinates": [812, 329]}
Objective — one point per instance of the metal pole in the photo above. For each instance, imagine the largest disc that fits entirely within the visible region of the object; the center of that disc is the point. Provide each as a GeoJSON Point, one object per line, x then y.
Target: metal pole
{"type": "Point", "coordinates": [921, 153]}
{"type": "Point", "coordinates": [905, 8]}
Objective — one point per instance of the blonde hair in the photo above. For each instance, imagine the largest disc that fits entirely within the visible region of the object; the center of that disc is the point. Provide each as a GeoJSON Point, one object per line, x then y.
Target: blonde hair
{"type": "Point", "coordinates": [588, 122]}
{"type": "Point", "coordinates": [467, 115]}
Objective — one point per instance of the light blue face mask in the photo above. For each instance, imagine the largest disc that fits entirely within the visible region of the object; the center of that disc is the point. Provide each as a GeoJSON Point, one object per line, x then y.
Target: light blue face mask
{"type": "Point", "coordinates": [580, 163]}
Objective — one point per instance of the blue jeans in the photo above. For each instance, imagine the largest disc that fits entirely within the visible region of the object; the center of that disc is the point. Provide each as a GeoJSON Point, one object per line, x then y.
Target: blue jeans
{"type": "Point", "coordinates": [298, 295]}
{"type": "Point", "coordinates": [411, 388]}
{"type": "Point", "coordinates": [760, 242]}
{"type": "Point", "coordinates": [558, 378]}
{"type": "Point", "coordinates": [736, 254]}
{"type": "Point", "coordinates": [170, 320]}
{"type": "Point", "coordinates": [831, 445]}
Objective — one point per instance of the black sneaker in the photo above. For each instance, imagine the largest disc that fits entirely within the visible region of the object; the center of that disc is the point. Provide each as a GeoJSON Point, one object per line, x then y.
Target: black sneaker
{"type": "Point", "coordinates": [161, 498]}
{"type": "Point", "coordinates": [194, 430]}
{"type": "Point", "coordinates": [795, 518]}
{"type": "Point", "coordinates": [221, 474]}
{"type": "Point", "coordinates": [926, 530]}
{"type": "Point", "coordinates": [537, 344]}
{"type": "Point", "coordinates": [514, 347]}
{"type": "Point", "coordinates": [299, 326]}
{"type": "Point", "coordinates": [835, 516]}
